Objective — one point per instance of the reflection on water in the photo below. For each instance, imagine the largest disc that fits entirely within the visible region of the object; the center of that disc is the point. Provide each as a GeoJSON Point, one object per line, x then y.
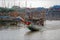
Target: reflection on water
{"type": "Point", "coordinates": [34, 35]}
{"type": "Point", "coordinates": [18, 26]}
{"type": "Point", "coordinates": [9, 27]}
{"type": "Point", "coordinates": [31, 32]}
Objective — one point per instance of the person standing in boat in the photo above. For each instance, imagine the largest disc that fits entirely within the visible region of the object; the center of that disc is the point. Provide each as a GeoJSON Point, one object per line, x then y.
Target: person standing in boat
{"type": "Point", "coordinates": [41, 21]}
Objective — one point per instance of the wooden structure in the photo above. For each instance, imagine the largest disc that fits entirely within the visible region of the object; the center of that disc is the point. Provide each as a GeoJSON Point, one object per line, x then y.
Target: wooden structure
{"type": "Point", "coordinates": [37, 17]}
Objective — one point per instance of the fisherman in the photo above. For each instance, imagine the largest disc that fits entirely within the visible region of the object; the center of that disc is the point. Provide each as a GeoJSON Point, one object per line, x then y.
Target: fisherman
{"type": "Point", "coordinates": [41, 21]}
{"type": "Point", "coordinates": [30, 25]}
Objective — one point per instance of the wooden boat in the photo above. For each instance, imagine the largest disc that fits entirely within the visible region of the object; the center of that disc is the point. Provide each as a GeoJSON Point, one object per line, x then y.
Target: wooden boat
{"type": "Point", "coordinates": [34, 27]}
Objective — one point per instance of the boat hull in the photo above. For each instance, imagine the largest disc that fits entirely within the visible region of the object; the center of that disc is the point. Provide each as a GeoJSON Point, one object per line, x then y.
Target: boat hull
{"type": "Point", "coordinates": [34, 28]}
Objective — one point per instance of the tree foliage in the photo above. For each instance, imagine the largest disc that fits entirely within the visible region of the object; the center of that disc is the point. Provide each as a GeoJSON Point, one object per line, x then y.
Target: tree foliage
{"type": "Point", "coordinates": [6, 10]}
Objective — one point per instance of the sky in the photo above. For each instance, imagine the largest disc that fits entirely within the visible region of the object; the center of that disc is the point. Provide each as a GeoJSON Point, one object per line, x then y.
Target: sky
{"type": "Point", "coordinates": [29, 3]}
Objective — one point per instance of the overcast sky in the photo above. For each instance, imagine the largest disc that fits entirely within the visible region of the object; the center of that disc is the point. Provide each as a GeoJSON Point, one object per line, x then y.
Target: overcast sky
{"type": "Point", "coordinates": [29, 3]}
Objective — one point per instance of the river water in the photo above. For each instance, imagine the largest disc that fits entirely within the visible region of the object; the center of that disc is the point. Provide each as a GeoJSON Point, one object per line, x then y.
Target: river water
{"type": "Point", "coordinates": [51, 31]}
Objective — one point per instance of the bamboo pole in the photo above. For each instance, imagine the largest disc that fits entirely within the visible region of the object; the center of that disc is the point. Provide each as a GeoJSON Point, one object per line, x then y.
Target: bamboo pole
{"type": "Point", "coordinates": [19, 3]}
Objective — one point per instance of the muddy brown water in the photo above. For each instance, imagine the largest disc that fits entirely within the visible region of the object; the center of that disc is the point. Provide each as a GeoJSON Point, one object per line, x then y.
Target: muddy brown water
{"type": "Point", "coordinates": [51, 31]}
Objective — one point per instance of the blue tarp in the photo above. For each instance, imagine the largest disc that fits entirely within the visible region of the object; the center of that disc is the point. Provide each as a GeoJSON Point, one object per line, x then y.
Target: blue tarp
{"type": "Point", "coordinates": [4, 16]}
{"type": "Point", "coordinates": [18, 19]}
